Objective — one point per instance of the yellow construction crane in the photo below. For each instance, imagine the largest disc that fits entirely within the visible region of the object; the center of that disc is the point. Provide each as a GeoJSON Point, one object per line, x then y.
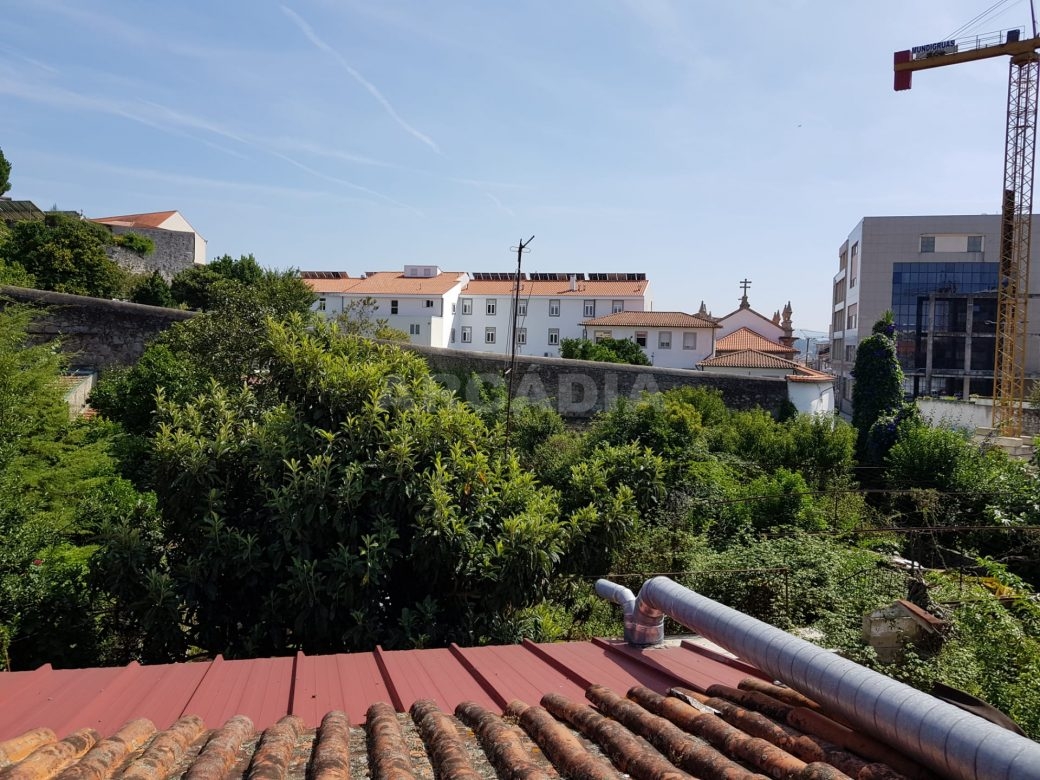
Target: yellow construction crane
{"type": "Point", "coordinates": [1016, 204]}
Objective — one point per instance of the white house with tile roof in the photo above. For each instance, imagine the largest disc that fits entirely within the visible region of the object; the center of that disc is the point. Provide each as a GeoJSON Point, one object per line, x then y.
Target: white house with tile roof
{"type": "Point", "coordinates": [420, 300]}
{"type": "Point", "coordinates": [809, 390]}
{"type": "Point", "coordinates": [671, 339]}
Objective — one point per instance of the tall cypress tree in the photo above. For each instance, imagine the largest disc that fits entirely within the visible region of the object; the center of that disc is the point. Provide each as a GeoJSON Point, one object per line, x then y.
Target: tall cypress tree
{"type": "Point", "coordinates": [878, 390]}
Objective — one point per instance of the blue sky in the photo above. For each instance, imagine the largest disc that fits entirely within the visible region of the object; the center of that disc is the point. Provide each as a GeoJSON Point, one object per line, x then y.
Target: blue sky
{"type": "Point", "coordinates": [700, 143]}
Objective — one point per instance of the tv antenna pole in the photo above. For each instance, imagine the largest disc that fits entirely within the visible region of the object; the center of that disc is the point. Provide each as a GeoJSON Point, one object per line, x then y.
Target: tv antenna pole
{"type": "Point", "coordinates": [520, 249]}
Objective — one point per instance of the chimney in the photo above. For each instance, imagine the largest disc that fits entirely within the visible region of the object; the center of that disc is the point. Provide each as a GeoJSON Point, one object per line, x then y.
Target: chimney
{"type": "Point", "coordinates": [574, 283]}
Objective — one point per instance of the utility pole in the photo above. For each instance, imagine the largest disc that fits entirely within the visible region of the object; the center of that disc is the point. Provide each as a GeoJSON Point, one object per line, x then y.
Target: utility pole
{"type": "Point", "coordinates": [520, 249]}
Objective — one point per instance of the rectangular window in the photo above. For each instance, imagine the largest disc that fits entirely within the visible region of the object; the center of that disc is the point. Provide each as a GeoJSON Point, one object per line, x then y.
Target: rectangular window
{"type": "Point", "coordinates": [521, 309]}
{"type": "Point", "coordinates": [590, 308]}
{"type": "Point", "coordinates": [974, 243]}
{"type": "Point", "coordinates": [321, 304]}
{"type": "Point", "coordinates": [428, 304]}
{"type": "Point", "coordinates": [453, 308]}
{"type": "Point", "coordinates": [521, 335]}
{"type": "Point", "coordinates": [689, 340]}
{"type": "Point", "coordinates": [664, 339]}
{"type": "Point", "coordinates": [601, 334]}
{"type": "Point", "coordinates": [617, 306]}
{"type": "Point", "coordinates": [854, 265]}
{"type": "Point", "coordinates": [489, 335]}
{"type": "Point", "coordinates": [393, 307]}
{"type": "Point", "coordinates": [467, 305]}
{"type": "Point", "coordinates": [554, 336]}
{"type": "Point", "coordinates": [492, 307]}
{"type": "Point", "coordinates": [467, 334]}
{"type": "Point", "coordinates": [554, 308]}
{"type": "Point", "coordinates": [927, 243]}
{"type": "Point", "coordinates": [452, 339]}
{"type": "Point", "coordinates": [641, 338]}
{"type": "Point", "coordinates": [850, 353]}
{"type": "Point", "coordinates": [413, 329]}
{"type": "Point", "coordinates": [853, 311]}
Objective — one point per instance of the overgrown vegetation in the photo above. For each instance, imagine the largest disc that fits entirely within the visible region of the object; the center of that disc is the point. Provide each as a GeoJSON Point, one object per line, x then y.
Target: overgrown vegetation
{"type": "Point", "coordinates": [263, 482]}
{"type": "Point", "coordinates": [604, 351]}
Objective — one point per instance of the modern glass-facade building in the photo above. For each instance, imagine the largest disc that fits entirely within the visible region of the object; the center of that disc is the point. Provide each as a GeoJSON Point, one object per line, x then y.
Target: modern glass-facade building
{"type": "Point", "coordinates": [938, 275]}
{"type": "Point", "coordinates": [946, 322]}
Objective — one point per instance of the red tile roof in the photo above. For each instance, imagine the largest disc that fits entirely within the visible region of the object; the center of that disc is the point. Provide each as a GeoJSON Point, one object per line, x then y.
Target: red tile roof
{"type": "Point", "coordinates": [750, 358]}
{"type": "Point", "coordinates": [745, 338]}
{"type": "Point", "coordinates": [396, 283]}
{"type": "Point", "coordinates": [652, 319]}
{"type": "Point", "coordinates": [560, 289]}
{"type": "Point", "coordinates": [717, 721]}
{"type": "Point", "coordinates": [806, 374]}
{"type": "Point", "coordinates": [152, 219]}
{"type": "Point", "coordinates": [329, 283]}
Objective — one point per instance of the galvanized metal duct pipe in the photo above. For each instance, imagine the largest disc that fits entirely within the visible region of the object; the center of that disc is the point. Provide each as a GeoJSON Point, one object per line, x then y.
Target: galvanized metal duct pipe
{"type": "Point", "coordinates": [643, 625]}
{"type": "Point", "coordinates": [949, 740]}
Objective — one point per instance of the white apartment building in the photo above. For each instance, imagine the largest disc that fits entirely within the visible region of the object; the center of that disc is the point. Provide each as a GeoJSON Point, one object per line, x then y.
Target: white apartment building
{"type": "Point", "coordinates": [421, 300]}
{"type": "Point", "coordinates": [671, 339]}
{"type": "Point", "coordinates": [939, 276]}
{"type": "Point", "coordinates": [550, 307]}
{"type": "Point", "coordinates": [475, 311]}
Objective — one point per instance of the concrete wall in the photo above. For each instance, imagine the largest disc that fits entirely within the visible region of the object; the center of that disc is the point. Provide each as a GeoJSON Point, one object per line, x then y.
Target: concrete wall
{"type": "Point", "coordinates": [579, 389]}
{"type": "Point", "coordinates": [971, 415]}
{"type": "Point", "coordinates": [174, 251]}
{"type": "Point", "coordinates": [95, 333]}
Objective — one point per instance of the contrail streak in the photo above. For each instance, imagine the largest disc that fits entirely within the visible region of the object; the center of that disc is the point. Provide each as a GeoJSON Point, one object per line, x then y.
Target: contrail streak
{"type": "Point", "coordinates": [308, 31]}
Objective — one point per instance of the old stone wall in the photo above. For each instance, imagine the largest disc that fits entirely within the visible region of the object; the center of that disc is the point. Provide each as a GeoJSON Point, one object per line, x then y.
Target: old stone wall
{"type": "Point", "coordinates": [95, 333]}
{"type": "Point", "coordinates": [174, 251]}
{"type": "Point", "coordinates": [580, 389]}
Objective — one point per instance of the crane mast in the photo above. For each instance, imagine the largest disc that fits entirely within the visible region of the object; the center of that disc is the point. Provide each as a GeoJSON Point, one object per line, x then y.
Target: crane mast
{"type": "Point", "coordinates": [1016, 203]}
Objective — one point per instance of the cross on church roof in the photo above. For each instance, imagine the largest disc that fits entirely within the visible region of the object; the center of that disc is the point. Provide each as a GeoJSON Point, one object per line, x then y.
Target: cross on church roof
{"type": "Point", "coordinates": [744, 284]}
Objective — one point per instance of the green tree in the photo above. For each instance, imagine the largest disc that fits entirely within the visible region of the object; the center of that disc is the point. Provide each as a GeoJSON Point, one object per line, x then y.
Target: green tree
{"type": "Point", "coordinates": [342, 498]}
{"type": "Point", "coordinates": [205, 287]}
{"type": "Point", "coordinates": [191, 287]}
{"type": "Point", "coordinates": [222, 344]}
{"type": "Point", "coordinates": [878, 390]}
{"type": "Point", "coordinates": [152, 290]}
{"type": "Point", "coordinates": [604, 351]}
{"type": "Point", "coordinates": [66, 254]}
{"type": "Point", "coordinates": [358, 318]}
{"type": "Point", "coordinates": [49, 464]}
{"type": "Point", "coordinates": [5, 174]}
{"type": "Point", "coordinates": [11, 272]}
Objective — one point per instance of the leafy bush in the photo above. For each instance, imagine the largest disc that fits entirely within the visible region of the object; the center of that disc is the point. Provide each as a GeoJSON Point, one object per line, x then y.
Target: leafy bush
{"type": "Point", "coordinates": [604, 351]}
{"type": "Point", "coordinates": [342, 498]}
{"type": "Point", "coordinates": [152, 290]}
{"type": "Point", "coordinates": [135, 242]}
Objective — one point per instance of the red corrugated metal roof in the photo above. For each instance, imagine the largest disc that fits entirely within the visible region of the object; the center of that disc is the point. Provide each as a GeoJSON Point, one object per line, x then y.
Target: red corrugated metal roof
{"type": "Point", "coordinates": [266, 689]}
